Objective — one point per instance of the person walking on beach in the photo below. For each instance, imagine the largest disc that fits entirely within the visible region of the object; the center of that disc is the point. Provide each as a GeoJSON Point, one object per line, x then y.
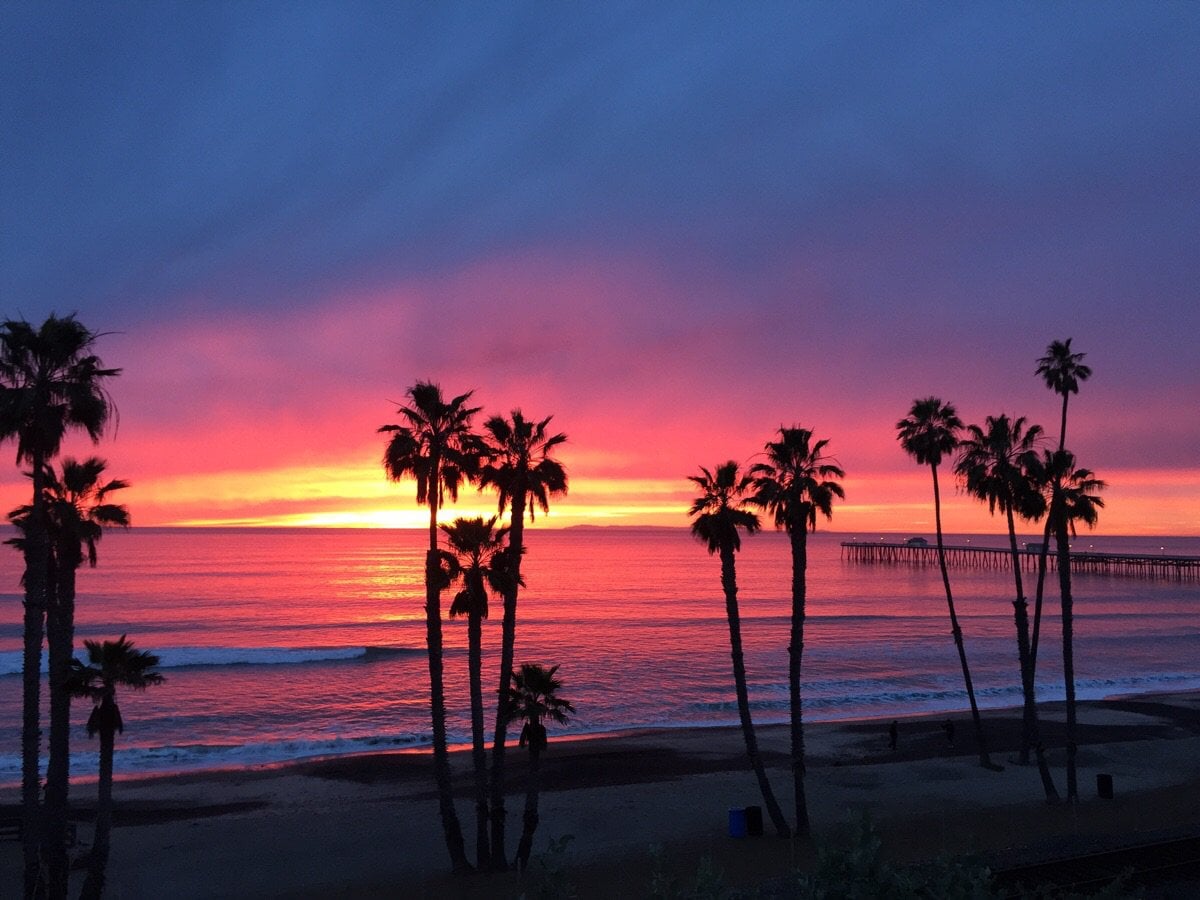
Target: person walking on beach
{"type": "Point", "coordinates": [949, 729]}
{"type": "Point", "coordinates": [893, 734]}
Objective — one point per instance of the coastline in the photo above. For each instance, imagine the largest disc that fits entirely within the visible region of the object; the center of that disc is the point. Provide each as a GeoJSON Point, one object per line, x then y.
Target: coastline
{"type": "Point", "coordinates": [360, 825]}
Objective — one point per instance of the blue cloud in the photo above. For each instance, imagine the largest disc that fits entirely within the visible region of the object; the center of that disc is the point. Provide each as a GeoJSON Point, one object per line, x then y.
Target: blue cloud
{"type": "Point", "coordinates": [234, 155]}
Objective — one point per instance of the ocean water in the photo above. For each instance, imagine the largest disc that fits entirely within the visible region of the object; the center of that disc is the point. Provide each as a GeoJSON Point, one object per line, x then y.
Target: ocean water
{"type": "Point", "coordinates": [283, 644]}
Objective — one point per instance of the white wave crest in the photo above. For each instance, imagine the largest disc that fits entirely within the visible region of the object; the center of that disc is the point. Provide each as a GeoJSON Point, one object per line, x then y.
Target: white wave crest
{"type": "Point", "coordinates": [182, 657]}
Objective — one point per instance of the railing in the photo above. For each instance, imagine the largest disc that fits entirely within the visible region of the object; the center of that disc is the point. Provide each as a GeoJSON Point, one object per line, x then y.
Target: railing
{"type": "Point", "coordinates": [1124, 564]}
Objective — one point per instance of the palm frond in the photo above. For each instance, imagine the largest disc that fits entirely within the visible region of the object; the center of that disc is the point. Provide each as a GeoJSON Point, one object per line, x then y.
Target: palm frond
{"type": "Point", "coordinates": [1061, 369]}
{"type": "Point", "coordinates": [720, 513]}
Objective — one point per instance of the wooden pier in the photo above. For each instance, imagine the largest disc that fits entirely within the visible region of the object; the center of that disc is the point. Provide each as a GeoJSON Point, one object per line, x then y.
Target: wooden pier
{"type": "Point", "coordinates": [1123, 564]}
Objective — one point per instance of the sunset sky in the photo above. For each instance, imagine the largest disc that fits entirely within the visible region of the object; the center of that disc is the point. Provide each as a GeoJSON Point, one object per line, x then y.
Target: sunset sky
{"type": "Point", "coordinates": [673, 227]}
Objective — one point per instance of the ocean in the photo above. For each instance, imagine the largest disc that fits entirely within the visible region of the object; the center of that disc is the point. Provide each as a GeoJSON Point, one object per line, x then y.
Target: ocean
{"type": "Point", "coordinates": [280, 644]}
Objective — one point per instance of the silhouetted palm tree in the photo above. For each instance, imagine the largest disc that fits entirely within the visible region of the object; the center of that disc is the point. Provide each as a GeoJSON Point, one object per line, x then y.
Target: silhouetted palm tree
{"type": "Point", "coordinates": [50, 383]}
{"type": "Point", "coordinates": [1062, 371]}
{"type": "Point", "coordinates": [928, 434]}
{"type": "Point", "coordinates": [436, 446]}
{"type": "Point", "coordinates": [719, 516]}
{"type": "Point", "coordinates": [77, 514]}
{"type": "Point", "coordinates": [533, 699]}
{"type": "Point", "coordinates": [994, 462]}
{"type": "Point", "coordinates": [794, 485]}
{"type": "Point", "coordinates": [480, 555]}
{"type": "Point", "coordinates": [1075, 498]}
{"type": "Point", "coordinates": [111, 664]}
{"type": "Point", "coordinates": [525, 474]}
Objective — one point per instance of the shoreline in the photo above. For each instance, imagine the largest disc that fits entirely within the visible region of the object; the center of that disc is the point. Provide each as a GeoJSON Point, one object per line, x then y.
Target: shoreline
{"type": "Point", "coordinates": [461, 751]}
{"type": "Point", "coordinates": [424, 750]}
{"type": "Point", "coordinates": [360, 824]}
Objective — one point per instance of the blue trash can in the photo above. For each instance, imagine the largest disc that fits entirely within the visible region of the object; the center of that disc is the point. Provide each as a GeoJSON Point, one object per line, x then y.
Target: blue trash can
{"type": "Point", "coordinates": [737, 822]}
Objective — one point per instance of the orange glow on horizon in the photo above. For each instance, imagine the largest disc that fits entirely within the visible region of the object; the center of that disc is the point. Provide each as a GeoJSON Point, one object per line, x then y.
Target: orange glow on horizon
{"type": "Point", "coordinates": [358, 495]}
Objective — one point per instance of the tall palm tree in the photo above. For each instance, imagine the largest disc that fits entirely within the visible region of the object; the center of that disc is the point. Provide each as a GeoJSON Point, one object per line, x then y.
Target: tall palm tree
{"type": "Point", "coordinates": [928, 434]}
{"type": "Point", "coordinates": [994, 463]}
{"type": "Point", "coordinates": [78, 512]}
{"type": "Point", "coordinates": [719, 515]}
{"type": "Point", "coordinates": [50, 383]}
{"type": "Point", "coordinates": [795, 484]}
{"type": "Point", "coordinates": [480, 555]}
{"type": "Point", "coordinates": [1075, 498]}
{"type": "Point", "coordinates": [533, 699]}
{"type": "Point", "coordinates": [111, 664]}
{"type": "Point", "coordinates": [436, 447]}
{"type": "Point", "coordinates": [1062, 371]}
{"type": "Point", "coordinates": [525, 474]}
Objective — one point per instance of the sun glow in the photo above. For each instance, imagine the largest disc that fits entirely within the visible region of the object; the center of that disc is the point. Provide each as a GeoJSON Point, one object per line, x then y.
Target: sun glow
{"type": "Point", "coordinates": [359, 495]}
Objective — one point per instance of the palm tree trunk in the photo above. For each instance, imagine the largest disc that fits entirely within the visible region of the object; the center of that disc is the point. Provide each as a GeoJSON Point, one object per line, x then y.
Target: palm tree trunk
{"type": "Point", "coordinates": [1037, 604]}
{"type": "Point", "coordinates": [60, 633]}
{"type": "Point", "coordinates": [1043, 555]}
{"type": "Point", "coordinates": [478, 751]}
{"type": "Point", "coordinates": [799, 539]}
{"type": "Point", "coordinates": [1062, 430]}
{"type": "Point", "coordinates": [508, 640]}
{"type": "Point", "coordinates": [1068, 638]}
{"type": "Point", "coordinates": [37, 558]}
{"type": "Point", "coordinates": [93, 884]}
{"type": "Point", "coordinates": [984, 759]}
{"type": "Point", "coordinates": [1021, 617]}
{"type": "Point", "coordinates": [530, 822]}
{"type": "Point", "coordinates": [437, 691]}
{"type": "Point", "coordinates": [729, 583]}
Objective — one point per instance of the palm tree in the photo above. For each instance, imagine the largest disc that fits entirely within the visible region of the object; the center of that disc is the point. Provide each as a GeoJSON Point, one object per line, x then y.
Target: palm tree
{"type": "Point", "coordinates": [929, 433]}
{"type": "Point", "coordinates": [1062, 371]}
{"type": "Point", "coordinates": [994, 463]}
{"type": "Point", "coordinates": [50, 383]}
{"type": "Point", "coordinates": [111, 664]}
{"type": "Point", "coordinates": [480, 556]}
{"type": "Point", "coordinates": [1074, 499]}
{"type": "Point", "coordinates": [436, 446]}
{"type": "Point", "coordinates": [520, 466]}
{"type": "Point", "coordinates": [77, 514]}
{"type": "Point", "coordinates": [795, 484]}
{"type": "Point", "coordinates": [533, 699]}
{"type": "Point", "coordinates": [719, 516]}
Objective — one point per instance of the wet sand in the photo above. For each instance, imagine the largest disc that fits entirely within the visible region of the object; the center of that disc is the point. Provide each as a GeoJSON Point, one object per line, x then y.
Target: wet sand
{"type": "Point", "coordinates": [367, 825]}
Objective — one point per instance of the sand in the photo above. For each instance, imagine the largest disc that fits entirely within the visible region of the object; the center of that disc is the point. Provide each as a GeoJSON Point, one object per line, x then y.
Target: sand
{"type": "Point", "coordinates": [367, 826]}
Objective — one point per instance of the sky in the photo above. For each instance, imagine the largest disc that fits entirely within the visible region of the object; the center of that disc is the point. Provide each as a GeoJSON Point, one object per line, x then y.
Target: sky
{"type": "Point", "coordinates": [674, 227]}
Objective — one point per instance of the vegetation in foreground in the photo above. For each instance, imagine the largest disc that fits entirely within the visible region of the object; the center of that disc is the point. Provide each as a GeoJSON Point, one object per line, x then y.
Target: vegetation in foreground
{"type": "Point", "coordinates": [853, 867]}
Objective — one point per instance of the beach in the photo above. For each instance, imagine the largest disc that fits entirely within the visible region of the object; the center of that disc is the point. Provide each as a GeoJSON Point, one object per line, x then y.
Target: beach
{"type": "Point", "coordinates": [367, 826]}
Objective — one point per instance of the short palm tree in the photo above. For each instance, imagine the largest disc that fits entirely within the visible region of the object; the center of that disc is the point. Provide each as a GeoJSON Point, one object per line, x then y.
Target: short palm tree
{"type": "Point", "coordinates": [111, 664]}
{"type": "Point", "coordinates": [480, 555]}
{"type": "Point", "coordinates": [1062, 371]}
{"type": "Point", "coordinates": [795, 484]}
{"type": "Point", "coordinates": [533, 699]}
{"type": "Point", "coordinates": [994, 464]}
{"type": "Point", "coordinates": [521, 467]}
{"type": "Point", "coordinates": [719, 515]}
{"type": "Point", "coordinates": [1075, 498]}
{"type": "Point", "coordinates": [929, 434]}
{"type": "Point", "coordinates": [51, 382]}
{"type": "Point", "coordinates": [436, 447]}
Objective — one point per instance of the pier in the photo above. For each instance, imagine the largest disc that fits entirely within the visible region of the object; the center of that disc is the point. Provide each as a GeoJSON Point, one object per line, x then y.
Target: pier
{"type": "Point", "coordinates": [1122, 564]}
